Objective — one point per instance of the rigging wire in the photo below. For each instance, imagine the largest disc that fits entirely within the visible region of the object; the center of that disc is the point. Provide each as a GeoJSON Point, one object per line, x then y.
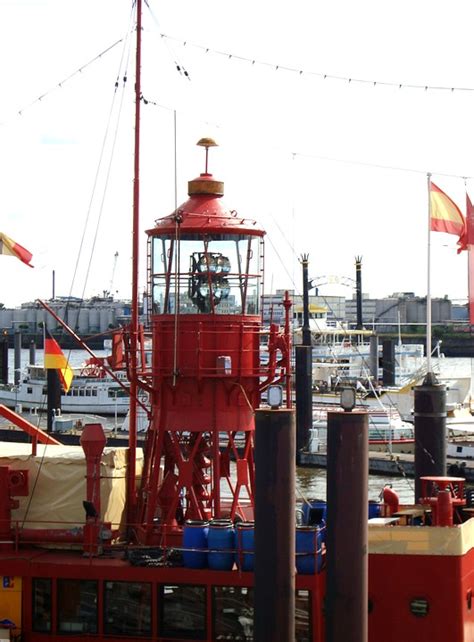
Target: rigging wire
{"type": "Point", "coordinates": [108, 171]}
{"type": "Point", "coordinates": [63, 82]}
{"type": "Point", "coordinates": [122, 72]}
{"type": "Point", "coordinates": [178, 65]}
{"type": "Point", "coordinates": [350, 80]}
{"type": "Point", "coordinates": [294, 153]}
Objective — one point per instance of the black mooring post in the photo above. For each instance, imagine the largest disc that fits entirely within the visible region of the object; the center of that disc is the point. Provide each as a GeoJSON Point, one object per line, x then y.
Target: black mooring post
{"type": "Point", "coordinates": [347, 538]}
{"type": "Point", "coordinates": [304, 371]}
{"type": "Point", "coordinates": [306, 330]}
{"type": "Point", "coordinates": [430, 430]}
{"type": "Point", "coordinates": [32, 352]}
{"type": "Point", "coordinates": [274, 600]}
{"type": "Point", "coordinates": [303, 396]}
{"type": "Point", "coordinates": [388, 362]}
{"type": "Point", "coordinates": [360, 320]}
{"type": "Point", "coordinates": [17, 357]}
{"type": "Point", "coordinates": [53, 396]}
{"type": "Point", "coordinates": [4, 360]}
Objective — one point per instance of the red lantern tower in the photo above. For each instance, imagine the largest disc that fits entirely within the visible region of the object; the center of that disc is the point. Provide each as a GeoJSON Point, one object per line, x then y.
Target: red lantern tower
{"type": "Point", "coordinates": [205, 270]}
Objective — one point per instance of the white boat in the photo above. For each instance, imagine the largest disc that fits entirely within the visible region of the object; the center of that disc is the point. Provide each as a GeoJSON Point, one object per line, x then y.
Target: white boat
{"type": "Point", "coordinates": [387, 431]}
{"type": "Point", "coordinates": [344, 356]}
{"type": "Point", "coordinates": [92, 391]}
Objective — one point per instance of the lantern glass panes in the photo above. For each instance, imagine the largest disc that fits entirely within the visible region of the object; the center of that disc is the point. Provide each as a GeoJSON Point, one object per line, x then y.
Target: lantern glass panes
{"type": "Point", "coordinates": [218, 274]}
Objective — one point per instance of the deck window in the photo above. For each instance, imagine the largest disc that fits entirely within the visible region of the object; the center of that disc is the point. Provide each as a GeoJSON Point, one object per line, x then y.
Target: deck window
{"type": "Point", "coordinates": [233, 613]}
{"type": "Point", "coordinates": [127, 608]}
{"type": "Point", "coordinates": [303, 616]}
{"type": "Point", "coordinates": [182, 612]}
{"type": "Point", "coordinates": [41, 608]}
{"type": "Point", "coordinates": [77, 606]}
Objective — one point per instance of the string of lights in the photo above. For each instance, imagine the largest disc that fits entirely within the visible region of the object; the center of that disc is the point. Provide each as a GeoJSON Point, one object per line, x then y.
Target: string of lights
{"type": "Point", "coordinates": [61, 83]}
{"type": "Point", "coordinates": [296, 154]}
{"type": "Point", "coordinates": [317, 74]}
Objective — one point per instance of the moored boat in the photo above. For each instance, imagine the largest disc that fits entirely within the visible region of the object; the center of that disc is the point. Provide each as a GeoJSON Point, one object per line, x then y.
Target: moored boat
{"type": "Point", "coordinates": [92, 391]}
{"type": "Point", "coordinates": [387, 431]}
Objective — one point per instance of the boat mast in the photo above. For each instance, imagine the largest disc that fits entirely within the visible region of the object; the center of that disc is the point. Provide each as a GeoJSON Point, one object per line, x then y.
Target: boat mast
{"type": "Point", "coordinates": [131, 497]}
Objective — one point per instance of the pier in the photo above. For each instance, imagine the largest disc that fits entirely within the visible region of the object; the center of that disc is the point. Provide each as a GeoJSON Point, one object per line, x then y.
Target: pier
{"type": "Point", "coordinates": [390, 464]}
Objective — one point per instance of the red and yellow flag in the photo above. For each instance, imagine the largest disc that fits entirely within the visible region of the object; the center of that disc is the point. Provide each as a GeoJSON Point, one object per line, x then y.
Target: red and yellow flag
{"type": "Point", "coordinates": [54, 359]}
{"type": "Point", "coordinates": [446, 216]}
{"type": "Point", "coordinates": [470, 260]}
{"type": "Point", "coordinates": [469, 221]}
{"type": "Point", "coordinates": [9, 247]}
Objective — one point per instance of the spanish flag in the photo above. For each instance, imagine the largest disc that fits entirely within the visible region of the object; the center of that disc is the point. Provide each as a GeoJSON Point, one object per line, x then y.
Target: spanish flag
{"type": "Point", "coordinates": [8, 246]}
{"type": "Point", "coordinates": [469, 221]}
{"type": "Point", "coordinates": [54, 359]}
{"type": "Point", "coordinates": [446, 216]}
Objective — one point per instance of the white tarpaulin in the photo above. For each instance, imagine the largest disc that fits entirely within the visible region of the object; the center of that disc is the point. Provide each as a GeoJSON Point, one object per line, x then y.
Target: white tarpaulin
{"type": "Point", "coordinates": [57, 484]}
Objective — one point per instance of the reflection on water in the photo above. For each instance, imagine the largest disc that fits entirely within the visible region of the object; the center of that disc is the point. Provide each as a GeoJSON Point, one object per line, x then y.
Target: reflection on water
{"type": "Point", "coordinates": [311, 484]}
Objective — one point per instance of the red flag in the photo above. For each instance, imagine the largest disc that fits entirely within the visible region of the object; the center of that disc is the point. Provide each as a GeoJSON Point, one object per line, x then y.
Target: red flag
{"type": "Point", "coordinates": [469, 221]}
{"type": "Point", "coordinates": [54, 359]}
{"type": "Point", "coordinates": [470, 262]}
{"type": "Point", "coordinates": [8, 246]}
{"type": "Point", "coordinates": [446, 216]}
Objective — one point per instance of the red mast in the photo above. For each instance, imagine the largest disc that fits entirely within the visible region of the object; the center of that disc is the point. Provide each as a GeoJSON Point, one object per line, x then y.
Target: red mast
{"type": "Point", "coordinates": [131, 492]}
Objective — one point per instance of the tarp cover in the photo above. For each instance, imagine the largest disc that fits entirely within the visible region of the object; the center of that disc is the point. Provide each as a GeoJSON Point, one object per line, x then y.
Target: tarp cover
{"type": "Point", "coordinates": [57, 484]}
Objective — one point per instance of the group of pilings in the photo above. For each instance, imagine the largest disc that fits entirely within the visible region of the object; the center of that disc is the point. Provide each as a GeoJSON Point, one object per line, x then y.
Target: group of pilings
{"type": "Point", "coordinates": [4, 350]}
{"type": "Point", "coordinates": [346, 558]}
{"type": "Point", "coordinates": [347, 513]}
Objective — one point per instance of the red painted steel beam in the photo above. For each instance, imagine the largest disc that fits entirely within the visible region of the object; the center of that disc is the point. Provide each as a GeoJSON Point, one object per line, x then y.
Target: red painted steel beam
{"type": "Point", "coordinates": [28, 427]}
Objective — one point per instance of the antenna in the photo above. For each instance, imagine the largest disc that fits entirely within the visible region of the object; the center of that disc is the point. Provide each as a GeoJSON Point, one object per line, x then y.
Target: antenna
{"type": "Point", "coordinates": [111, 285]}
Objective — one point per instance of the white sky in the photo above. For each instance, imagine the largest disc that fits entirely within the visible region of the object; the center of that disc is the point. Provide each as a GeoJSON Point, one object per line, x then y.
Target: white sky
{"type": "Point", "coordinates": [302, 155]}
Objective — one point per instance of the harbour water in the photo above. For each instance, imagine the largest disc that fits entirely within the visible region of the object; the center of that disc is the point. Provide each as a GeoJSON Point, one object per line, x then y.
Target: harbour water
{"type": "Point", "coordinates": [311, 482]}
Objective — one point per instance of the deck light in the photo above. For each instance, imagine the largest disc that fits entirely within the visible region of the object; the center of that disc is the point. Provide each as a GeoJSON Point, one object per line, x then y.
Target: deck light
{"type": "Point", "coordinates": [348, 398]}
{"type": "Point", "coordinates": [275, 396]}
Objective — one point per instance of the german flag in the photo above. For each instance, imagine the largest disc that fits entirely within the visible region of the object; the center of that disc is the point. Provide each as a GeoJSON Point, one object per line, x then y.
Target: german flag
{"type": "Point", "coordinates": [54, 359]}
{"type": "Point", "coordinates": [9, 247]}
{"type": "Point", "coordinates": [446, 216]}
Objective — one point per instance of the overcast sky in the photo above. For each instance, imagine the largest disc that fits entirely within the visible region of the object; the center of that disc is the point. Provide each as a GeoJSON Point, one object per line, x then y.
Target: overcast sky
{"type": "Point", "coordinates": [330, 167]}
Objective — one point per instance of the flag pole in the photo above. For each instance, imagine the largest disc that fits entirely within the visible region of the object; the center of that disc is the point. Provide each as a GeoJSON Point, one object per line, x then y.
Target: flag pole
{"type": "Point", "coordinates": [428, 286]}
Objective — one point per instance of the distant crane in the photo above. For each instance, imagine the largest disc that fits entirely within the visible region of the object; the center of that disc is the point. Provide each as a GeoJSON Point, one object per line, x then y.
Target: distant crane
{"type": "Point", "coordinates": [109, 292]}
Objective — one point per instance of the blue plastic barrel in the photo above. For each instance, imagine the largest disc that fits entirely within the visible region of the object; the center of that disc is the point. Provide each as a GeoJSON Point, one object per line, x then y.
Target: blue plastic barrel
{"type": "Point", "coordinates": [308, 549]}
{"type": "Point", "coordinates": [374, 509]}
{"type": "Point", "coordinates": [195, 534]}
{"type": "Point", "coordinates": [220, 538]}
{"type": "Point", "coordinates": [245, 545]}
